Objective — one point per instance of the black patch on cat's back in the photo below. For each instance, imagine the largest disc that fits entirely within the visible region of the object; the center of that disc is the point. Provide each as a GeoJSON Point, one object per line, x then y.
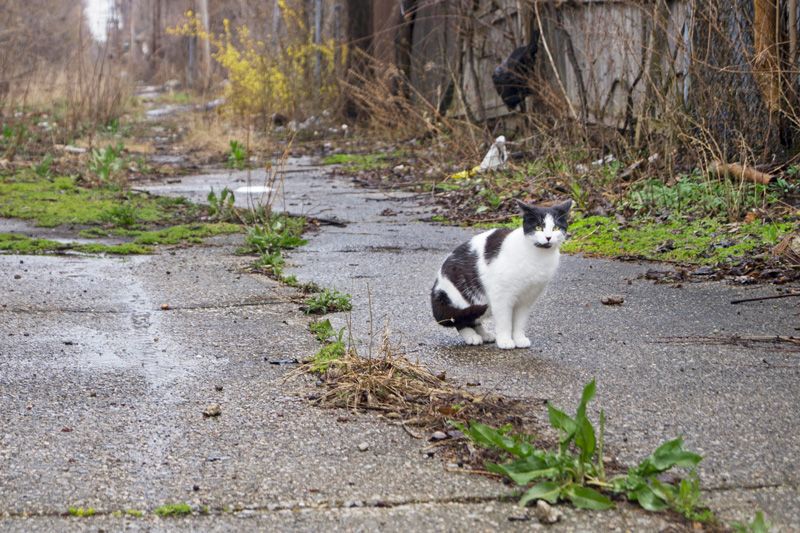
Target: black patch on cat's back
{"type": "Point", "coordinates": [494, 242]}
{"type": "Point", "coordinates": [461, 268]}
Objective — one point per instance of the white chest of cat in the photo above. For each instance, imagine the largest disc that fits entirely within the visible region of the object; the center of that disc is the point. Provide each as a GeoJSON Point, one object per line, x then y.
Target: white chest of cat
{"type": "Point", "coordinates": [500, 273]}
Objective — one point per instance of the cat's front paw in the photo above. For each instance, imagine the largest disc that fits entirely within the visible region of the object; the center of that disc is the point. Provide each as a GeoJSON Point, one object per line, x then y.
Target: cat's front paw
{"type": "Point", "coordinates": [487, 336]}
{"type": "Point", "coordinates": [522, 342]}
{"type": "Point", "coordinates": [506, 343]}
{"type": "Point", "coordinates": [471, 337]}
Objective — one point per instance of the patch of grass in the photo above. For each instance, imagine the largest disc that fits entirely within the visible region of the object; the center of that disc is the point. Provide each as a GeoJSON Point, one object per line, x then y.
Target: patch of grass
{"type": "Point", "coordinates": [575, 471]}
{"type": "Point", "coordinates": [184, 233]}
{"type": "Point", "coordinates": [50, 202]}
{"type": "Point", "coordinates": [136, 513]}
{"type": "Point", "coordinates": [758, 525]}
{"type": "Point", "coordinates": [81, 512]}
{"type": "Point", "coordinates": [359, 162]}
{"type": "Point", "coordinates": [703, 241]}
{"type": "Point", "coordinates": [327, 301]}
{"type": "Point", "coordinates": [322, 330]}
{"type": "Point", "coordinates": [328, 354]}
{"type": "Point", "coordinates": [279, 232]}
{"type": "Point", "coordinates": [180, 234]}
{"type": "Point", "coordinates": [21, 244]}
{"type": "Point", "coordinates": [699, 195]}
{"type": "Point", "coordinates": [122, 215]}
{"type": "Point", "coordinates": [268, 239]}
{"type": "Point", "coordinates": [333, 348]}
{"type": "Point", "coordinates": [127, 248]}
{"type": "Point", "coordinates": [178, 97]}
{"type": "Point", "coordinates": [270, 263]}
{"type": "Point", "coordinates": [173, 509]}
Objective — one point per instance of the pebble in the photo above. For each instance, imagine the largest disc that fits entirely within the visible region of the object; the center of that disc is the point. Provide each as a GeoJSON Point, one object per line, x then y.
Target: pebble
{"type": "Point", "coordinates": [613, 300]}
{"type": "Point", "coordinates": [546, 513]}
{"type": "Point", "coordinates": [363, 446]}
{"type": "Point", "coordinates": [213, 409]}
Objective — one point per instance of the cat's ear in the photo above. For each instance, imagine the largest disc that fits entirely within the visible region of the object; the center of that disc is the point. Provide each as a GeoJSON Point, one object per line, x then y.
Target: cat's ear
{"type": "Point", "coordinates": [563, 208]}
{"type": "Point", "coordinates": [525, 209]}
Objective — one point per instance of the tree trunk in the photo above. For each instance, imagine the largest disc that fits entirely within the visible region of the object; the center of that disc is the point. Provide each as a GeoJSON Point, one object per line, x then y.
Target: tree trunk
{"type": "Point", "coordinates": [359, 35]}
{"type": "Point", "coordinates": [202, 9]}
{"type": "Point", "coordinates": [155, 39]}
{"type": "Point", "coordinates": [766, 64]}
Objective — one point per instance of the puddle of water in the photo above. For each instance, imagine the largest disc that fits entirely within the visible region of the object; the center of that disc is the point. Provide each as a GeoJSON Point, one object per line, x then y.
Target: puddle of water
{"type": "Point", "coordinates": [254, 189]}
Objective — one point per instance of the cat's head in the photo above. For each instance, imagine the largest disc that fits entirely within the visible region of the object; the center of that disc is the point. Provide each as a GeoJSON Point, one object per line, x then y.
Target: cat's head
{"type": "Point", "coordinates": [545, 226]}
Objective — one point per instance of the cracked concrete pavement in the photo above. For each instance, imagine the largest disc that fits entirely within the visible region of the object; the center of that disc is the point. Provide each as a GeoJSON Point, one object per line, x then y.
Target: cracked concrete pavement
{"type": "Point", "coordinates": [103, 391]}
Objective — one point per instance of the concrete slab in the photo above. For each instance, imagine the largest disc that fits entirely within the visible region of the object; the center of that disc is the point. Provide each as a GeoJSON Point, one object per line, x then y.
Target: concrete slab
{"type": "Point", "coordinates": [667, 361]}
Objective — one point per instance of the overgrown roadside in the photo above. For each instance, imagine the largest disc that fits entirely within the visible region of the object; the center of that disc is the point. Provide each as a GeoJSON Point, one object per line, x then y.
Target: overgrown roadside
{"type": "Point", "coordinates": [724, 227]}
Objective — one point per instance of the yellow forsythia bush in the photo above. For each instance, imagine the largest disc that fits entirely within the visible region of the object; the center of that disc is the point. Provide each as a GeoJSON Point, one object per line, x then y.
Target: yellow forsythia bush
{"type": "Point", "coordinates": [262, 79]}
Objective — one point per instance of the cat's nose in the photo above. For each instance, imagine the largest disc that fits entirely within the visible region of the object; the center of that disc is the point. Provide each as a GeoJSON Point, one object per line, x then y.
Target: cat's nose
{"type": "Point", "coordinates": [548, 238]}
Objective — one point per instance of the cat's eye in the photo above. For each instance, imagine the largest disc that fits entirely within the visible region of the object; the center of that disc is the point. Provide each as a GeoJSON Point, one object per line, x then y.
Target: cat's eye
{"type": "Point", "coordinates": [538, 228]}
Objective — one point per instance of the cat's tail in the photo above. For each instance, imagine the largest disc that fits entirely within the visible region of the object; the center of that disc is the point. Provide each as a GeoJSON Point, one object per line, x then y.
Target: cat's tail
{"type": "Point", "coordinates": [449, 316]}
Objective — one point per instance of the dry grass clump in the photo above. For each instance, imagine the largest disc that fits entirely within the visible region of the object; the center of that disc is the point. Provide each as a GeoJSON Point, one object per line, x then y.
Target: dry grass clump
{"type": "Point", "coordinates": [409, 392]}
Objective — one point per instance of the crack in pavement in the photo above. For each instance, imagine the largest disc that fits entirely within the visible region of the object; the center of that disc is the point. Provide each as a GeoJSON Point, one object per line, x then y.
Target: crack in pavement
{"type": "Point", "coordinates": [320, 505]}
{"type": "Point", "coordinates": [72, 310]}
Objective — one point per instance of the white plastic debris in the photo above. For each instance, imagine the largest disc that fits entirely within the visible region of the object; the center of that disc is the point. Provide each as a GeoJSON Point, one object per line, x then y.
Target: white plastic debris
{"type": "Point", "coordinates": [606, 160]}
{"type": "Point", "coordinates": [496, 157]}
{"type": "Point", "coordinates": [70, 149]}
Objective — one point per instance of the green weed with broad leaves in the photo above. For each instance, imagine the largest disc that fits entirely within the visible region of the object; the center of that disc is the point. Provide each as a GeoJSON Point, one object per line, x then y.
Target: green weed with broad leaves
{"type": "Point", "coordinates": [221, 206]}
{"type": "Point", "coordinates": [237, 156]}
{"type": "Point", "coordinates": [575, 471]}
{"type": "Point", "coordinates": [107, 164]}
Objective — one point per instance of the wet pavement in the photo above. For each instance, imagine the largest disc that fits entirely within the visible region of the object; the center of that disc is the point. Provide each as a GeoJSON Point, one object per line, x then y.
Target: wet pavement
{"type": "Point", "coordinates": [103, 391]}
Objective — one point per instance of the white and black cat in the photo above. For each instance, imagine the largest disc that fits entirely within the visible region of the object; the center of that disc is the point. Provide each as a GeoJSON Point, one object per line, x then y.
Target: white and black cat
{"type": "Point", "coordinates": [500, 273]}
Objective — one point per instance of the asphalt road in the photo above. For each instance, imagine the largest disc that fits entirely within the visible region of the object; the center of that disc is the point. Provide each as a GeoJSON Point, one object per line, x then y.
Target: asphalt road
{"type": "Point", "coordinates": [102, 391]}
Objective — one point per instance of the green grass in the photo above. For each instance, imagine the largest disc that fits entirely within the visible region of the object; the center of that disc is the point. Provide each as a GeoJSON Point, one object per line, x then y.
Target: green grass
{"type": "Point", "coordinates": [60, 201]}
{"type": "Point", "coordinates": [327, 301]}
{"type": "Point", "coordinates": [268, 238]}
{"type": "Point", "coordinates": [333, 346]}
{"type": "Point", "coordinates": [322, 330]}
{"type": "Point", "coordinates": [703, 241]}
{"type": "Point", "coordinates": [326, 355]}
{"type": "Point", "coordinates": [184, 233]}
{"type": "Point", "coordinates": [173, 509]}
{"type": "Point", "coordinates": [81, 512]}
{"type": "Point", "coordinates": [20, 244]}
{"type": "Point", "coordinates": [51, 202]}
{"type": "Point", "coordinates": [698, 195]}
{"type": "Point", "coordinates": [359, 162]}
